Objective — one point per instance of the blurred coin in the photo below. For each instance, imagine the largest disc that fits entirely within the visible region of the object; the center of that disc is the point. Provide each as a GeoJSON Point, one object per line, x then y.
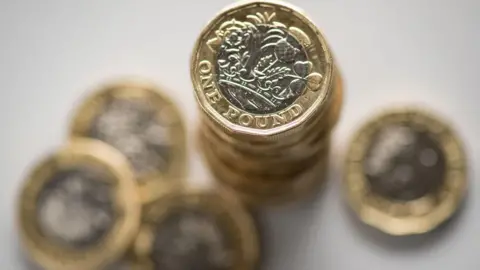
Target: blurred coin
{"type": "Point", "coordinates": [405, 172]}
{"type": "Point", "coordinates": [79, 207]}
{"type": "Point", "coordinates": [196, 230]}
{"type": "Point", "coordinates": [141, 122]}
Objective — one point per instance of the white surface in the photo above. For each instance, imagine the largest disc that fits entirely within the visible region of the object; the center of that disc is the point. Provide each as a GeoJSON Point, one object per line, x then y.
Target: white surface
{"type": "Point", "coordinates": [52, 52]}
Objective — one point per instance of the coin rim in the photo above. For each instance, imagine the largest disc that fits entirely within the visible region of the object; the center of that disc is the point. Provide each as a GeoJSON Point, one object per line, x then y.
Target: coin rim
{"type": "Point", "coordinates": [384, 221]}
{"type": "Point", "coordinates": [114, 244]}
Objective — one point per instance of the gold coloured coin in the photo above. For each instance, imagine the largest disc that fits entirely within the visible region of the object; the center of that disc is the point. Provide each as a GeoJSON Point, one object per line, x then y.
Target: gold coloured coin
{"type": "Point", "coordinates": [261, 68]}
{"type": "Point", "coordinates": [79, 207]}
{"type": "Point", "coordinates": [300, 187]}
{"type": "Point", "coordinates": [196, 230]}
{"type": "Point", "coordinates": [144, 124]}
{"type": "Point", "coordinates": [405, 172]}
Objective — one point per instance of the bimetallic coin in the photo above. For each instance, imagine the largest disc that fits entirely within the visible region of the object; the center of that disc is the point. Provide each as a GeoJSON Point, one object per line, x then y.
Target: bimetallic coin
{"type": "Point", "coordinates": [139, 121]}
{"type": "Point", "coordinates": [406, 172]}
{"type": "Point", "coordinates": [196, 230]}
{"type": "Point", "coordinates": [261, 68]}
{"type": "Point", "coordinates": [79, 208]}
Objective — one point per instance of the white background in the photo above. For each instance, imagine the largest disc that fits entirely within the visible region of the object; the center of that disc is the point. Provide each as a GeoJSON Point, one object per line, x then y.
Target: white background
{"type": "Point", "coordinates": [422, 51]}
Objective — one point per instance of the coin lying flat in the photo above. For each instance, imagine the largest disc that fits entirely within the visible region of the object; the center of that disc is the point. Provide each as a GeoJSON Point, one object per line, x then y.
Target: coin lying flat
{"type": "Point", "coordinates": [196, 230]}
{"type": "Point", "coordinates": [261, 68]}
{"type": "Point", "coordinates": [79, 208]}
{"type": "Point", "coordinates": [405, 172]}
{"type": "Point", "coordinates": [142, 123]}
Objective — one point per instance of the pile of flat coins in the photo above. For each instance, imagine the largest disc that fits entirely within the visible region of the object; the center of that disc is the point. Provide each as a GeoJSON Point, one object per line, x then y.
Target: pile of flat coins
{"type": "Point", "coordinates": [405, 172]}
{"type": "Point", "coordinates": [269, 94]}
{"type": "Point", "coordinates": [115, 192]}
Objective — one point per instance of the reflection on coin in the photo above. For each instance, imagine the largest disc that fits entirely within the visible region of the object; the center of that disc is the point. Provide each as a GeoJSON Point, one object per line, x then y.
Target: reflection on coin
{"type": "Point", "coordinates": [195, 230]}
{"type": "Point", "coordinates": [261, 68]}
{"type": "Point", "coordinates": [79, 208]}
{"type": "Point", "coordinates": [406, 172]}
{"type": "Point", "coordinates": [143, 124]}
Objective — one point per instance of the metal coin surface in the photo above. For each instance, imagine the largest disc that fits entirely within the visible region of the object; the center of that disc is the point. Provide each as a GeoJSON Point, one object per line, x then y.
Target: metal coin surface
{"type": "Point", "coordinates": [79, 208]}
{"type": "Point", "coordinates": [406, 172]}
{"type": "Point", "coordinates": [196, 230]}
{"type": "Point", "coordinates": [261, 68]}
{"type": "Point", "coordinates": [141, 122]}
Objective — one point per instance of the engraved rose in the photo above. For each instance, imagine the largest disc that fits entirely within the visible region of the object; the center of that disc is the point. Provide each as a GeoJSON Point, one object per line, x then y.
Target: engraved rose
{"type": "Point", "coordinates": [234, 39]}
{"type": "Point", "coordinates": [304, 77]}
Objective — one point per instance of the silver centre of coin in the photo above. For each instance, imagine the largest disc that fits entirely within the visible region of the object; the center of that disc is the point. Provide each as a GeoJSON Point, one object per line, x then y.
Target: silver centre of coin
{"type": "Point", "coordinates": [261, 67]}
{"type": "Point", "coordinates": [132, 127]}
{"type": "Point", "coordinates": [191, 240]}
{"type": "Point", "coordinates": [403, 163]}
{"type": "Point", "coordinates": [75, 209]}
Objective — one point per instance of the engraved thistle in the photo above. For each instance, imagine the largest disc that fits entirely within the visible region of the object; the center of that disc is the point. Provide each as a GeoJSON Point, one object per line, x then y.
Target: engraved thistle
{"type": "Point", "coordinates": [262, 65]}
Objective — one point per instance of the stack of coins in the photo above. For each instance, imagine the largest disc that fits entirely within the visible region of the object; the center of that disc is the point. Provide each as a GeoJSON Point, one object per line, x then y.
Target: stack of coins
{"type": "Point", "coordinates": [269, 94]}
{"type": "Point", "coordinates": [405, 172]}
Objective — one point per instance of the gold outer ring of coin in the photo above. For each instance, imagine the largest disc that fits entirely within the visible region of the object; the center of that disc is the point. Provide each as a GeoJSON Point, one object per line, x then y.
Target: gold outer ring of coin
{"type": "Point", "coordinates": [115, 243]}
{"type": "Point", "coordinates": [417, 216]}
{"type": "Point", "coordinates": [236, 121]}
{"type": "Point", "coordinates": [236, 218]}
{"type": "Point", "coordinates": [130, 88]}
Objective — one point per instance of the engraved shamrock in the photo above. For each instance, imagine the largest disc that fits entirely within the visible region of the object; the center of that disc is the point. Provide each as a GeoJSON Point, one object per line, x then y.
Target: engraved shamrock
{"type": "Point", "coordinates": [284, 51]}
{"type": "Point", "coordinates": [305, 79]}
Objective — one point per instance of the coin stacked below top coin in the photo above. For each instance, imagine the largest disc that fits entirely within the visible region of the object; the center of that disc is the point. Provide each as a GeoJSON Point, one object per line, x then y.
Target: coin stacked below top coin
{"type": "Point", "coordinates": [269, 94]}
{"type": "Point", "coordinates": [405, 172]}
